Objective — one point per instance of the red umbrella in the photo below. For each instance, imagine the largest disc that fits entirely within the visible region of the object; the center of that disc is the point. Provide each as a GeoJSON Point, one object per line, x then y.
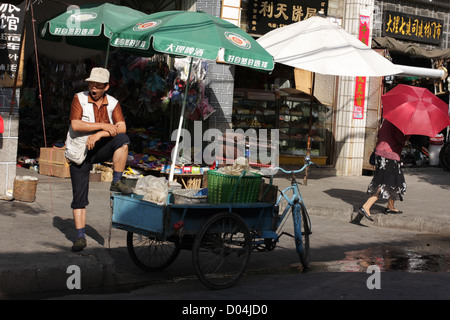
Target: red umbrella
{"type": "Point", "coordinates": [415, 110]}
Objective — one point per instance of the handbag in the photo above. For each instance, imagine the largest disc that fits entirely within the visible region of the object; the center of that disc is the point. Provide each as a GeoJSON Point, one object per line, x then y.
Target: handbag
{"type": "Point", "coordinates": [76, 148]}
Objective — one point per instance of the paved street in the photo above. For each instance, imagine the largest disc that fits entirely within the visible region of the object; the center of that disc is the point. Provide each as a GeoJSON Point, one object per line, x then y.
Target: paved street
{"type": "Point", "coordinates": [411, 250]}
{"type": "Point", "coordinates": [413, 266]}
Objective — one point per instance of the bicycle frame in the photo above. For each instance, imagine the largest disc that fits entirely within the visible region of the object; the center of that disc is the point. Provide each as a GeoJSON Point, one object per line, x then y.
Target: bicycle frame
{"type": "Point", "coordinates": [293, 201]}
{"type": "Point", "coordinates": [300, 217]}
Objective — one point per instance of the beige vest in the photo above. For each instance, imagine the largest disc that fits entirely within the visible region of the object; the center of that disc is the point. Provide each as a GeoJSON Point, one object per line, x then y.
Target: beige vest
{"type": "Point", "coordinates": [88, 108]}
{"type": "Point", "coordinates": [76, 150]}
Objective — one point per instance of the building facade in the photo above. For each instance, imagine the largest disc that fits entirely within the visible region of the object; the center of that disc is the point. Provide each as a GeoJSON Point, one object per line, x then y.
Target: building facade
{"type": "Point", "coordinates": [351, 138]}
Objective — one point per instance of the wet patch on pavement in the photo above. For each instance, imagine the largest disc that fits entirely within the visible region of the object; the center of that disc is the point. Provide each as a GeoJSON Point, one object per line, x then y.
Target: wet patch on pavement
{"type": "Point", "coordinates": [428, 253]}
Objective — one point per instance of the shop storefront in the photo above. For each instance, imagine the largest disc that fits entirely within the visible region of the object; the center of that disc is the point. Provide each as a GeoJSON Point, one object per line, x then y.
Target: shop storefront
{"type": "Point", "coordinates": [239, 98]}
{"type": "Point", "coordinates": [282, 100]}
{"type": "Point", "coordinates": [149, 91]}
{"type": "Point", "coordinates": [273, 102]}
{"type": "Point", "coordinates": [415, 36]}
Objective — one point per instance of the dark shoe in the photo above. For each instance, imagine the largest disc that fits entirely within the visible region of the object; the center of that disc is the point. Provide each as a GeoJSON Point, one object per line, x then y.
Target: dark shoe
{"type": "Point", "coordinates": [79, 244]}
{"type": "Point", "coordinates": [365, 213]}
{"type": "Point", "coordinates": [387, 210]}
{"type": "Point", "coordinates": [119, 186]}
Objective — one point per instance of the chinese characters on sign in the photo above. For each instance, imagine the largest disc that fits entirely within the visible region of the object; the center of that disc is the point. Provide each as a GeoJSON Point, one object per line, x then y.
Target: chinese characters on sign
{"type": "Point", "coordinates": [264, 16]}
{"type": "Point", "coordinates": [247, 62]}
{"type": "Point", "coordinates": [360, 85]}
{"type": "Point", "coordinates": [11, 25]}
{"type": "Point", "coordinates": [180, 49]}
{"type": "Point", "coordinates": [414, 28]}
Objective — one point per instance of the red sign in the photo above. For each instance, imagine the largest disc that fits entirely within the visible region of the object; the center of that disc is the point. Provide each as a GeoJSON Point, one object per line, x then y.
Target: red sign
{"type": "Point", "coordinates": [360, 85]}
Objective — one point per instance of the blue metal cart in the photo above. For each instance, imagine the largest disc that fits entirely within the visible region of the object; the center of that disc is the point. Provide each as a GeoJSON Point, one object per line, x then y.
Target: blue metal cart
{"type": "Point", "coordinates": [221, 236]}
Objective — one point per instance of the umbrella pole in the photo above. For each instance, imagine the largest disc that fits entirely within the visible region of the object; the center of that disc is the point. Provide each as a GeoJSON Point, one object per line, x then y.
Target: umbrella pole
{"type": "Point", "coordinates": [107, 56]}
{"type": "Point", "coordinates": [177, 141]}
{"type": "Point", "coordinates": [308, 147]}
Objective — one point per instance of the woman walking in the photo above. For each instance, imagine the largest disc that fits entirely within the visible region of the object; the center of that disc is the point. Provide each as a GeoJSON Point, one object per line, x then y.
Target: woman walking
{"type": "Point", "coordinates": [388, 181]}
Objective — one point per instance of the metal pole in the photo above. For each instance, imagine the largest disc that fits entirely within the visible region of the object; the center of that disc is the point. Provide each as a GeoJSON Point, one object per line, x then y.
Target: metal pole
{"type": "Point", "coordinates": [308, 147]}
{"type": "Point", "coordinates": [180, 125]}
{"type": "Point", "coordinates": [107, 56]}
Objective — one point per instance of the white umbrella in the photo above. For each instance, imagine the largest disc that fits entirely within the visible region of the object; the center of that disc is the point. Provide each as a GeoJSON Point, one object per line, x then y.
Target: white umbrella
{"type": "Point", "coordinates": [321, 46]}
{"type": "Point", "coordinates": [318, 45]}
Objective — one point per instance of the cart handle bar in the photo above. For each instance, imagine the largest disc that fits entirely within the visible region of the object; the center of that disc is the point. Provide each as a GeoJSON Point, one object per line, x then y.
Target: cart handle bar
{"type": "Point", "coordinates": [308, 162]}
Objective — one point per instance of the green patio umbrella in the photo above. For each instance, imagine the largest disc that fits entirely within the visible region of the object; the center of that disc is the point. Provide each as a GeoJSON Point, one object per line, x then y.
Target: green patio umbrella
{"type": "Point", "coordinates": [195, 35]}
{"type": "Point", "coordinates": [89, 26]}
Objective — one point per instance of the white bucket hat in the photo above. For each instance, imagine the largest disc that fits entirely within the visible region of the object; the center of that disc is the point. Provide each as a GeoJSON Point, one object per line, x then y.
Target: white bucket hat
{"type": "Point", "coordinates": [99, 75]}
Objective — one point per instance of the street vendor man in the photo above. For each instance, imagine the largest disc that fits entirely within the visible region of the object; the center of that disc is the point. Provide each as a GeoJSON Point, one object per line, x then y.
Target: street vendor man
{"type": "Point", "coordinates": [99, 118]}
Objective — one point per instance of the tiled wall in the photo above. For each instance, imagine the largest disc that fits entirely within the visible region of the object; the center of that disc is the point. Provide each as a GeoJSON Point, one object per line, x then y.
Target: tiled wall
{"type": "Point", "coordinates": [220, 79]}
{"type": "Point", "coordinates": [8, 140]}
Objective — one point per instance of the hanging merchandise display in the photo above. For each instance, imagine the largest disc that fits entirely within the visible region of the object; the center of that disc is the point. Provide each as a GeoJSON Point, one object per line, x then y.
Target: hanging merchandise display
{"type": "Point", "coordinates": [197, 104]}
{"type": "Point", "coordinates": [60, 80]}
{"type": "Point", "coordinates": [139, 84]}
{"type": "Point", "coordinates": [150, 93]}
{"type": "Point", "coordinates": [195, 35]}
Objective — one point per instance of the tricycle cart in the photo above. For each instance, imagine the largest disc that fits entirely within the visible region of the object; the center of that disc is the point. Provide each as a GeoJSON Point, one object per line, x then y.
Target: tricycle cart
{"type": "Point", "coordinates": [220, 235]}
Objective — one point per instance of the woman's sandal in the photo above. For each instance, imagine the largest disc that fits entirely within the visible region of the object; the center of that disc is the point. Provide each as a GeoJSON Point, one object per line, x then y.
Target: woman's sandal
{"type": "Point", "coordinates": [365, 214]}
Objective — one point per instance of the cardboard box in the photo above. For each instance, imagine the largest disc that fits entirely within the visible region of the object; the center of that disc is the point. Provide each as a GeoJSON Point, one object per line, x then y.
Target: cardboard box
{"type": "Point", "coordinates": [52, 162]}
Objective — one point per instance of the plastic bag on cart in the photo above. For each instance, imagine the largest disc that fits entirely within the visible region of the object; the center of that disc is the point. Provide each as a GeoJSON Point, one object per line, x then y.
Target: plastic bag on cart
{"type": "Point", "coordinates": [153, 189]}
{"type": "Point", "coordinates": [239, 165]}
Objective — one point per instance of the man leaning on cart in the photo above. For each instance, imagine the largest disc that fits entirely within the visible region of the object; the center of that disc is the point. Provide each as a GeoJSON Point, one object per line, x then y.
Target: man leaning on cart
{"type": "Point", "coordinates": [98, 118]}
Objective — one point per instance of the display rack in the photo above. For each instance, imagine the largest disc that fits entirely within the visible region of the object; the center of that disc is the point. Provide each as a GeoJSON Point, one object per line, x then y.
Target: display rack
{"type": "Point", "coordinates": [289, 111]}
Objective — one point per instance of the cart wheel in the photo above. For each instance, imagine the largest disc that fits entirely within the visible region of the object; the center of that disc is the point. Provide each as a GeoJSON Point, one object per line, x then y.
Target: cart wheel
{"type": "Point", "coordinates": [149, 253]}
{"type": "Point", "coordinates": [301, 232]}
{"type": "Point", "coordinates": [221, 250]}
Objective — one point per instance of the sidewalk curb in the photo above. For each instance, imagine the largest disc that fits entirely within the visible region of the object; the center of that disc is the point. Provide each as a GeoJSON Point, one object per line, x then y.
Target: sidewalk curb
{"type": "Point", "coordinates": [419, 224]}
{"type": "Point", "coordinates": [97, 270]}
{"type": "Point", "coordinates": [98, 267]}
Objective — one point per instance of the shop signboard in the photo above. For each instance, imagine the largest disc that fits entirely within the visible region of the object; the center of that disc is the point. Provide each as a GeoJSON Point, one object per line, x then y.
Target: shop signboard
{"type": "Point", "coordinates": [405, 26]}
{"type": "Point", "coordinates": [11, 26]}
{"type": "Point", "coordinates": [265, 16]}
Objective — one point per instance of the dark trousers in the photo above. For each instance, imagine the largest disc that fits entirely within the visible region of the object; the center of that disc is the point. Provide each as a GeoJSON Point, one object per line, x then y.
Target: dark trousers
{"type": "Point", "coordinates": [79, 174]}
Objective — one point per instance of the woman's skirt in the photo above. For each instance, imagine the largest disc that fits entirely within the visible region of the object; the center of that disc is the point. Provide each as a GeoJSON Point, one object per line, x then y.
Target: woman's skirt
{"type": "Point", "coordinates": [389, 177]}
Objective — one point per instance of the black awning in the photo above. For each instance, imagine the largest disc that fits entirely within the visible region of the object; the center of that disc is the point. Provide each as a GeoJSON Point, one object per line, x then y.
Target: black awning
{"type": "Point", "coordinates": [411, 49]}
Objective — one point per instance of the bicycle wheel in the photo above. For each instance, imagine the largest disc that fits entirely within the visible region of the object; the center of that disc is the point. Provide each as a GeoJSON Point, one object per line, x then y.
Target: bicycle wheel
{"type": "Point", "coordinates": [151, 254]}
{"type": "Point", "coordinates": [444, 156]}
{"type": "Point", "coordinates": [302, 231]}
{"type": "Point", "coordinates": [221, 250]}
